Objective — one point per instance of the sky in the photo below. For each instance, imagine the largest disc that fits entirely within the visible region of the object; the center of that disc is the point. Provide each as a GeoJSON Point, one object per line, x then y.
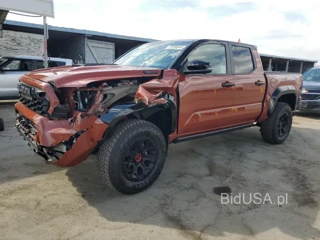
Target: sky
{"type": "Point", "coordinates": [279, 27]}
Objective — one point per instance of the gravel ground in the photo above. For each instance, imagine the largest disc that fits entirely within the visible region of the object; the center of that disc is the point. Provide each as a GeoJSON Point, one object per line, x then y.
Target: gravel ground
{"type": "Point", "coordinates": [41, 201]}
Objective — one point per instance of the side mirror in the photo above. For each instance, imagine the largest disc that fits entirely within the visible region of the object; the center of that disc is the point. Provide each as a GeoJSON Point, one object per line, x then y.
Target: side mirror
{"type": "Point", "coordinates": [198, 66]}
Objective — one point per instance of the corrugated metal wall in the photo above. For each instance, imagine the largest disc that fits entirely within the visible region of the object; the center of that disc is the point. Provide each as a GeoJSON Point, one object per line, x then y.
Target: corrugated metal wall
{"type": "Point", "coordinates": [99, 51]}
{"type": "Point", "coordinates": [20, 43]}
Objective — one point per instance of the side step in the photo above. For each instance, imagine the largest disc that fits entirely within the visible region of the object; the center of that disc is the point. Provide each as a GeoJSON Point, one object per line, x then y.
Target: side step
{"type": "Point", "coordinates": [216, 132]}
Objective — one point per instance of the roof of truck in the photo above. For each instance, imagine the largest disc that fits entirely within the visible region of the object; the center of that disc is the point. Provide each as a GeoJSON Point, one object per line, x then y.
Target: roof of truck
{"type": "Point", "coordinates": [206, 40]}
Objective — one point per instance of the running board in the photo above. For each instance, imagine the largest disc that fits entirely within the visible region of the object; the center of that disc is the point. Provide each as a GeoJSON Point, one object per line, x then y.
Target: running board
{"type": "Point", "coordinates": [207, 134]}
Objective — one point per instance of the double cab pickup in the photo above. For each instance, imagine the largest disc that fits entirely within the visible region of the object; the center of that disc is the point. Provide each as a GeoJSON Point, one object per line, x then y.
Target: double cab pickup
{"type": "Point", "coordinates": [162, 92]}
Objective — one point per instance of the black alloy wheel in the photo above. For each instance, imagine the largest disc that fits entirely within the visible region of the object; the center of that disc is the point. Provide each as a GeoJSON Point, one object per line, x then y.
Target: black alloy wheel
{"type": "Point", "coordinates": [283, 124]}
{"type": "Point", "coordinates": [141, 159]}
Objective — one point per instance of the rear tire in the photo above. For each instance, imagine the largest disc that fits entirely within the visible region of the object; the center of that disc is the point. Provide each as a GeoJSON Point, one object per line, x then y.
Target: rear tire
{"type": "Point", "coordinates": [277, 127]}
{"type": "Point", "coordinates": [1, 124]}
{"type": "Point", "coordinates": [132, 159]}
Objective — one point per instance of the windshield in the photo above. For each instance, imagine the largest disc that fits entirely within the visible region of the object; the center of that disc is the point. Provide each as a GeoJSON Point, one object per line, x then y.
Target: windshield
{"type": "Point", "coordinates": [312, 75]}
{"type": "Point", "coordinates": [2, 60]}
{"type": "Point", "coordinates": [156, 54]}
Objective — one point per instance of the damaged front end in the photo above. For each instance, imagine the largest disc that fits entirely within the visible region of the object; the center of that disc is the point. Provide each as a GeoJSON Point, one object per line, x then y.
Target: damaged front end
{"type": "Point", "coordinates": [60, 141]}
{"type": "Point", "coordinates": [65, 125]}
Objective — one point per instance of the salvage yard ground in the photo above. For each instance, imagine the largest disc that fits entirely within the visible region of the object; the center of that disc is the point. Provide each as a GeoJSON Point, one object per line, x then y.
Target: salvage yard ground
{"type": "Point", "coordinates": [40, 201]}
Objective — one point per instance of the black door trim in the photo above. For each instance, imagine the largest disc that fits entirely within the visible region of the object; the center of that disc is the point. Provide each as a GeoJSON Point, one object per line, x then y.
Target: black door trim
{"type": "Point", "coordinates": [216, 132]}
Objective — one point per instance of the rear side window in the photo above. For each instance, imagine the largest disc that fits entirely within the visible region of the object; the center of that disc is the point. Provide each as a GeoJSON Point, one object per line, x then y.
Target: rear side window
{"type": "Point", "coordinates": [242, 58]}
{"type": "Point", "coordinates": [50, 64]}
{"type": "Point", "coordinates": [56, 64]}
{"type": "Point", "coordinates": [39, 64]}
{"type": "Point", "coordinates": [19, 65]}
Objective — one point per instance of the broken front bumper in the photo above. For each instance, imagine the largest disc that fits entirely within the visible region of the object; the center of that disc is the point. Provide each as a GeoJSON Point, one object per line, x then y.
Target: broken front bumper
{"type": "Point", "coordinates": [62, 142]}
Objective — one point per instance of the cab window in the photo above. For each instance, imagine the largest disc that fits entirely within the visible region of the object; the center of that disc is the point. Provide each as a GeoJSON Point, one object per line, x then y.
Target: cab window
{"type": "Point", "coordinates": [215, 54]}
{"type": "Point", "coordinates": [18, 65]}
{"type": "Point", "coordinates": [50, 64]}
{"type": "Point", "coordinates": [243, 61]}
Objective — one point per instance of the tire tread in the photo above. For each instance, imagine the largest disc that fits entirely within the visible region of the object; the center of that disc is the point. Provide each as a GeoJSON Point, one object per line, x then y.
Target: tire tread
{"type": "Point", "coordinates": [110, 144]}
{"type": "Point", "coordinates": [267, 127]}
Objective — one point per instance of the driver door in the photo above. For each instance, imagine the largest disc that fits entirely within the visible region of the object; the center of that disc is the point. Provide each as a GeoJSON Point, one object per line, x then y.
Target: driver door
{"type": "Point", "coordinates": [206, 99]}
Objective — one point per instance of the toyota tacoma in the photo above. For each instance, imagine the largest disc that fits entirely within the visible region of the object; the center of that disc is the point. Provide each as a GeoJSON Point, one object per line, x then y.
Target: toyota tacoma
{"type": "Point", "coordinates": [158, 93]}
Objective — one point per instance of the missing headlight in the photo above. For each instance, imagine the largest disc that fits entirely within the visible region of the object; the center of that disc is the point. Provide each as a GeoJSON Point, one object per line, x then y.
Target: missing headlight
{"type": "Point", "coordinates": [84, 100]}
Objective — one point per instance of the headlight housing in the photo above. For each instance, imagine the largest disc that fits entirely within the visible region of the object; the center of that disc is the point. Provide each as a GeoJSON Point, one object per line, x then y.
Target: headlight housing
{"type": "Point", "coordinates": [304, 90]}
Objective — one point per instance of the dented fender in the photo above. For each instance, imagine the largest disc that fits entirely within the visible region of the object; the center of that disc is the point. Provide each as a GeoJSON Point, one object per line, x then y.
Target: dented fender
{"type": "Point", "coordinates": [140, 111]}
{"type": "Point", "coordinates": [151, 97]}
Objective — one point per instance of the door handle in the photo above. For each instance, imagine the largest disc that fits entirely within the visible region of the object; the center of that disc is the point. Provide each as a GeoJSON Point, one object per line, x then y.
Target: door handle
{"type": "Point", "coordinates": [259, 83]}
{"type": "Point", "coordinates": [227, 84]}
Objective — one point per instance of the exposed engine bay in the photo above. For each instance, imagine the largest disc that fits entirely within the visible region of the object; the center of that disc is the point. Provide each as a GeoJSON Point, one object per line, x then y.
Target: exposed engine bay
{"type": "Point", "coordinates": [80, 116]}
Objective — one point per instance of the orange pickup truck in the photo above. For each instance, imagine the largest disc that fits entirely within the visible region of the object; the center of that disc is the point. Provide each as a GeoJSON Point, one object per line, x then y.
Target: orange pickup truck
{"type": "Point", "coordinates": [158, 93]}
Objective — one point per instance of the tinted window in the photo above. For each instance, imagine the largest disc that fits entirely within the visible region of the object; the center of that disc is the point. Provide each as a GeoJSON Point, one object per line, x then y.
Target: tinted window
{"type": "Point", "coordinates": [50, 64]}
{"type": "Point", "coordinates": [3, 60]}
{"type": "Point", "coordinates": [242, 59]}
{"type": "Point", "coordinates": [215, 54]}
{"type": "Point", "coordinates": [19, 65]}
{"type": "Point", "coordinates": [56, 64]}
{"type": "Point", "coordinates": [39, 64]}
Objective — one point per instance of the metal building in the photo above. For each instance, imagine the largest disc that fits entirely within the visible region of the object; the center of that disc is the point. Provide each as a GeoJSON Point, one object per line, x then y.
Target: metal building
{"type": "Point", "coordinates": [286, 64]}
{"type": "Point", "coordinates": [84, 46]}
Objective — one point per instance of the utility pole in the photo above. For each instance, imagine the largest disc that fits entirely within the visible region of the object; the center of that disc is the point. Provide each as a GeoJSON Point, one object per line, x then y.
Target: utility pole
{"type": "Point", "coordinates": [45, 42]}
{"type": "Point", "coordinates": [44, 8]}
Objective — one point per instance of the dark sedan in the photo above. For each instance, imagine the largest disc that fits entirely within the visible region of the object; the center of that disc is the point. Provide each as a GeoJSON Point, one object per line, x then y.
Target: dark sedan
{"type": "Point", "coordinates": [310, 98]}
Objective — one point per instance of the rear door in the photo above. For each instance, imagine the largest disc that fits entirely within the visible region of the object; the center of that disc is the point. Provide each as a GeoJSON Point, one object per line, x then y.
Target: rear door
{"type": "Point", "coordinates": [249, 84]}
{"type": "Point", "coordinates": [206, 99]}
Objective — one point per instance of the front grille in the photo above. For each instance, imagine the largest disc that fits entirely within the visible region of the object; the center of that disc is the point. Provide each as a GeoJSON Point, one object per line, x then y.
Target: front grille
{"type": "Point", "coordinates": [27, 129]}
{"type": "Point", "coordinates": [34, 98]}
{"type": "Point", "coordinates": [310, 96]}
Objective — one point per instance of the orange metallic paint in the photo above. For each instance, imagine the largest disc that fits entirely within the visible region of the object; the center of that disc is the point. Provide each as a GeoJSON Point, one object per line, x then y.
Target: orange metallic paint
{"type": "Point", "coordinates": [54, 101]}
{"type": "Point", "coordinates": [83, 75]}
{"type": "Point", "coordinates": [204, 104]}
{"type": "Point", "coordinates": [51, 133]}
{"type": "Point", "coordinates": [275, 81]}
{"type": "Point", "coordinates": [248, 97]}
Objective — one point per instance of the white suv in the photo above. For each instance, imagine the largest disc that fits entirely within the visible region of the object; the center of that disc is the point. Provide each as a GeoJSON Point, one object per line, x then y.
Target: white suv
{"type": "Point", "coordinates": [13, 67]}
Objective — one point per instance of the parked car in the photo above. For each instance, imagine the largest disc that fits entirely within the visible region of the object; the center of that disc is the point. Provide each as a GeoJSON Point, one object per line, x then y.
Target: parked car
{"type": "Point", "coordinates": [12, 68]}
{"type": "Point", "coordinates": [159, 93]}
{"type": "Point", "coordinates": [310, 97]}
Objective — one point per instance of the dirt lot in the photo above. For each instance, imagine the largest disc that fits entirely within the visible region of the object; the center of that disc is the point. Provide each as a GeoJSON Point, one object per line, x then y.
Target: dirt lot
{"type": "Point", "coordinates": [40, 201]}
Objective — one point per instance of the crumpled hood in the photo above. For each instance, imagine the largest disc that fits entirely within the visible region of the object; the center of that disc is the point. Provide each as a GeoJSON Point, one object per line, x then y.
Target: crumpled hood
{"type": "Point", "coordinates": [80, 76]}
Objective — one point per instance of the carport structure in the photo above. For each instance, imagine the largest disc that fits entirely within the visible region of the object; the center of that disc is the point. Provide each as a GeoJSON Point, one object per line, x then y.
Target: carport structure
{"type": "Point", "coordinates": [286, 64]}
{"type": "Point", "coordinates": [82, 46]}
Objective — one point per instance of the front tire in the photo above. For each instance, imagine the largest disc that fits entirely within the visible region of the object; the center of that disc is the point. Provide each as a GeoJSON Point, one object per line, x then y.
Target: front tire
{"type": "Point", "coordinates": [132, 159]}
{"type": "Point", "coordinates": [277, 127]}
